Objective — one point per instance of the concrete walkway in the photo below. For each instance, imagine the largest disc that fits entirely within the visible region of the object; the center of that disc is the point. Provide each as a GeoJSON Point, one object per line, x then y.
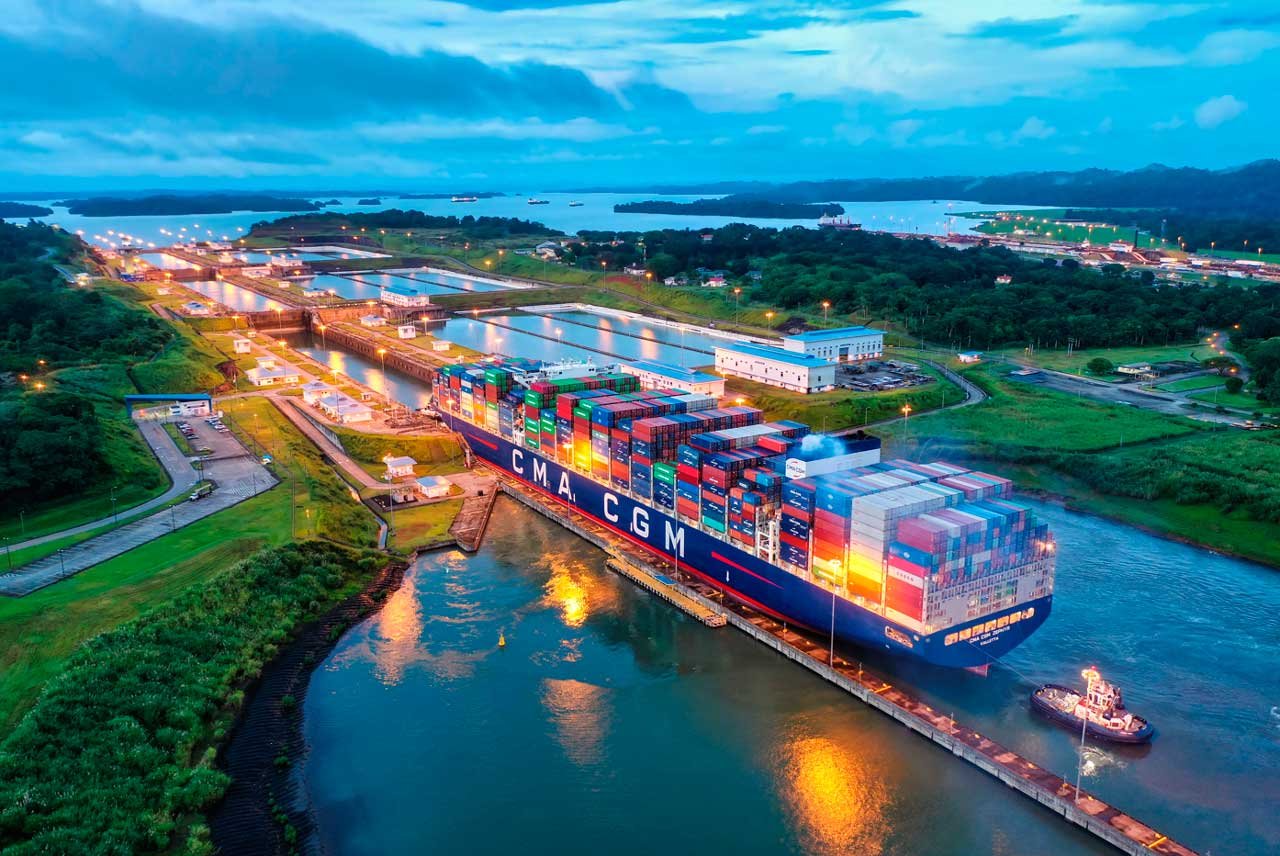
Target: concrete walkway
{"type": "Point", "coordinates": [237, 476]}
{"type": "Point", "coordinates": [181, 478]}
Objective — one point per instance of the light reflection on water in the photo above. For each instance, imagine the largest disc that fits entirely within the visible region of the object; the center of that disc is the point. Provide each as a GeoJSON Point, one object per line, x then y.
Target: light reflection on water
{"type": "Point", "coordinates": [610, 715]}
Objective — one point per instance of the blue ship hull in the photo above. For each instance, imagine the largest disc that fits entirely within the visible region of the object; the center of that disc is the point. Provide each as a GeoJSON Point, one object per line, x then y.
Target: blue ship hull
{"type": "Point", "coordinates": [745, 577]}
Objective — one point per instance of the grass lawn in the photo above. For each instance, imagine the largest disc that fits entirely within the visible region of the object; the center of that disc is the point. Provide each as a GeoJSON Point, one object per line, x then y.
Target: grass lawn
{"type": "Point", "coordinates": [1027, 416]}
{"type": "Point", "coordinates": [1240, 400]}
{"type": "Point", "coordinates": [831, 411]}
{"type": "Point", "coordinates": [322, 503]}
{"type": "Point", "coordinates": [1046, 225]}
{"type": "Point", "coordinates": [39, 632]}
{"type": "Point", "coordinates": [423, 525]}
{"type": "Point", "coordinates": [436, 455]}
{"type": "Point", "coordinates": [1208, 381]}
{"type": "Point", "coordinates": [1075, 362]}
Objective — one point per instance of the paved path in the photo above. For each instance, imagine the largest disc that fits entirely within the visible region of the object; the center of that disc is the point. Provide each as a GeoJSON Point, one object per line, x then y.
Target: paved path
{"type": "Point", "coordinates": [176, 465]}
{"type": "Point", "coordinates": [972, 395]}
{"type": "Point", "coordinates": [236, 474]}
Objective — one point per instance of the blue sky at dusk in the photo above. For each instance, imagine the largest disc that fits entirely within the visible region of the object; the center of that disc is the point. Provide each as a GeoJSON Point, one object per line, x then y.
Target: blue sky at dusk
{"type": "Point", "coordinates": [411, 94]}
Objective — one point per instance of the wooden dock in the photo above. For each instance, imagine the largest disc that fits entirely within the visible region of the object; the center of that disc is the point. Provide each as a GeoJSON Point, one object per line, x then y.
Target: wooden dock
{"type": "Point", "coordinates": [1106, 822]}
{"type": "Point", "coordinates": [666, 588]}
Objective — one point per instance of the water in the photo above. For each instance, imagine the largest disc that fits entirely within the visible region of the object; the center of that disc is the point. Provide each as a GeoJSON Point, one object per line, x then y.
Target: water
{"type": "Point", "coordinates": [369, 373]}
{"type": "Point", "coordinates": [453, 281]}
{"type": "Point", "coordinates": [164, 261]}
{"type": "Point", "coordinates": [609, 705]}
{"type": "Point", "coordinates": [596, 212]}
{"type": "Point", "coordinates": [351, 289]}
{"type": "Point", "coordinates": [611, 721]}
{"type": "Point", "coordinates": [234, 297]}
{"type": "Point", "coordinates": [583, 335]}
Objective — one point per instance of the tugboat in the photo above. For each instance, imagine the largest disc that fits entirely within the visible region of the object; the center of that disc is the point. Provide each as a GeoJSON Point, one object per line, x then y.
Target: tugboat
{"type": "Point", "coordinates": [575, 204]}
{"type": "Point", "coordinates": [535, 201]}
{"type": "Point", "coordinates": [1100, 711]}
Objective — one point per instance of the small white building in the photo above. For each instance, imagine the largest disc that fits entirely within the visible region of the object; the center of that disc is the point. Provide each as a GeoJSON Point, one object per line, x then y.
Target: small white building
{"type": "Point", "coordinates": [402, 294]}
{"type": "Point", "coordinates": [344, 409]}
{"type": "Point", "coordinates": [399, 466]}
{"type": "Point", "coordinates": [1136, 369]}
{"type": "Point", "coordinates": [841, 345]}
{"type": "Point", "coordinates": [315, 390]}
{"type": "Point", "coordinates": [196, 308]}
{"type": "Point", "coordinates": [267, 362]}
{"type": "Point", "coordinates": [969, 356]}
{"type": "Point", "coordinates": [440, 345]}
{"type": "Point", "coordinates": [658, 375]}
{"type": "Point", "coordinates": [433, 487]}
{"type": "Point", "coordinates": [776, 367]}
{"type": "Point", "coordinates": [407, 331]}
{"type": "Point", "coordinates": [241, 346]}
{"type": "Point", "coordinates": [372, 321]}
{"type": "Point", "coordinates": [272, 376]}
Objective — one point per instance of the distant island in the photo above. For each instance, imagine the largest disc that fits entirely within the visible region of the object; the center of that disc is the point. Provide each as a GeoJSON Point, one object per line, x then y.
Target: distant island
{"type": "Point", "coordinates": [734, 206]}
{"type": "Point", "coordinates": [488, 195]}
{"type": "Point", "coordinates": [329, 202]}
{"type": "Point", "coordinates": [372, 201]}
{"type": "Point", "coordinates": [1242, 191]}
{"type": "Point", "coordinates": [22, 209]}
{"type": "Point", "coordinates": [217, 203]}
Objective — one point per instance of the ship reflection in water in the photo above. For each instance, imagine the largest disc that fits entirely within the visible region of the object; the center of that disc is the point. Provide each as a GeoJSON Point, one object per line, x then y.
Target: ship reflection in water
{"type": "Point", "coordinates": [579, 713]}
{"type": "Point", "coordinates": [837, 798]}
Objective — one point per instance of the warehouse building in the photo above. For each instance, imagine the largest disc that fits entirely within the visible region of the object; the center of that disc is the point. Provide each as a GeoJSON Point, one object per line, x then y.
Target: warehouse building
{"type": "Point", "coordinates": [657, 375]}
{"type": "Point", "coordinates": [841, 345]}
{"type": "Point", "coordinates": [400, 294]}
{"type": "Point", "coordinates": [776, 367]}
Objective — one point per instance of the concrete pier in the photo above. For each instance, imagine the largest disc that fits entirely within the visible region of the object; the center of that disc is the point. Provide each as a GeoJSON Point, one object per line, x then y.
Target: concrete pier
{"type": "Point", "coordinates": [1106, 822]}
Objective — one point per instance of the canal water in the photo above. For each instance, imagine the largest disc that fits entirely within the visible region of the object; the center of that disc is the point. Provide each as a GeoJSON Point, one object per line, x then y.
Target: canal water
{"type": "Point", "coordinates": [234, 297]}
{"type": "Point", "coordinates": [610, 711]}
{"type": "Point", "coordinates": [579, 335]}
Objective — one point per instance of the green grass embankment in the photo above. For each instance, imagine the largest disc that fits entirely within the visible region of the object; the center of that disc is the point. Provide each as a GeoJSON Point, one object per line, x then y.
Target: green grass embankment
{"type": "Point", "coordinates": [118, 754]}
{"type": "Point", "coordinates": [833, 411]}
{"type": "Point", "coordinates": [436, 455]}
{"type": "Point", "coordinates": [1193, 481]}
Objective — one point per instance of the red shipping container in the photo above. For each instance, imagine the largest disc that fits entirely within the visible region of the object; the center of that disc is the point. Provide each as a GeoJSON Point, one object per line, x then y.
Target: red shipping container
{"type": "Point", "coordinates": [802, 543]}
{"type": "Point", "coordinates": [687, 473]}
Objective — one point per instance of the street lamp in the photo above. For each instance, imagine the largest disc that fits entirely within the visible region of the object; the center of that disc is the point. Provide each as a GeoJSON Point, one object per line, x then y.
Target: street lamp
{"type": "Point", "coordinates": [323, 341]}
{"type": "Point", "coordinates": [382, 354]}
{"type": "Point", "coordinates": [906, 411]}
{"type": "Point", "coordinates": [826, 305]}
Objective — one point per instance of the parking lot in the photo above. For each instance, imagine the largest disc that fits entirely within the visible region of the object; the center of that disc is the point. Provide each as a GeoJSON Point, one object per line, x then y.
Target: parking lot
{"type": "Point", "coordinates": [880, 375]}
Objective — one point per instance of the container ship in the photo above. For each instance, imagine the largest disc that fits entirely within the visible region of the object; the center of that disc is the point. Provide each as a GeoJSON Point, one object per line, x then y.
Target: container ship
{"type": "Point", "coordinates": [931, 561]}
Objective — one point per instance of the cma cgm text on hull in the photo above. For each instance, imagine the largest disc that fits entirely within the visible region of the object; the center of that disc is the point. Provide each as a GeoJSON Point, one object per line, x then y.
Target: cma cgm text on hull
{"type": "Point", "coordinates": [926, 560]}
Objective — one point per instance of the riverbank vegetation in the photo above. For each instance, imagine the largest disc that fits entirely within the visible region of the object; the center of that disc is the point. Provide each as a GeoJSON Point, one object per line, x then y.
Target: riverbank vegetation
{"type": "Point", "coordinates": [23, 209]}
{"type": "Point", "coordinates": [1203, 482]}
{"type": "Point", "coordinates": [118, 753]}
{"type": "Point", "coordinates": [332, 223]}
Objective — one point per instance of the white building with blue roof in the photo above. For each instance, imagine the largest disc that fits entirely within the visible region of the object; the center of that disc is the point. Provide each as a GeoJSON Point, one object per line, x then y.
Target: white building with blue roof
{"type": "Point", "coordinates": [659, 375]}
{"type": "Point", "coordinates": [798, 372]}
{"type": "Point", "coordinates": [841, 345]}
{"type": "Point", "coordinates": [403, 294]}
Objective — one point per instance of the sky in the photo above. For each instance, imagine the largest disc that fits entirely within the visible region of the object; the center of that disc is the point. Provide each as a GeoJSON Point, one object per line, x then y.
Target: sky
{"type": "Point", "coordinates": [559, 94]}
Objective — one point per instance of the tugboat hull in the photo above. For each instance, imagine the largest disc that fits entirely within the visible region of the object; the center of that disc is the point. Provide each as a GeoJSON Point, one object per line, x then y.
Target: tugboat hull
{"type": "Point", "coordinates": [1041, 704]}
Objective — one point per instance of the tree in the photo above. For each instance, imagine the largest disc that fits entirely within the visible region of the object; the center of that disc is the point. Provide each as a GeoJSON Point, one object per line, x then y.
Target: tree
{"type": "Point", "coordinates": [1099, 366]}
{"type": "Point", "coordinates": [1220, 364]}
{"type": "Point", "coordinates": [663, 265]}
{"type": "Point", "coordinates": [1233, 384]}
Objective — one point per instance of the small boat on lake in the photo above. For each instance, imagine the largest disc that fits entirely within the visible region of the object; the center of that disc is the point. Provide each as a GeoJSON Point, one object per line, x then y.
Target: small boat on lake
{"type": "Point", "coordinates": [1099, 711]}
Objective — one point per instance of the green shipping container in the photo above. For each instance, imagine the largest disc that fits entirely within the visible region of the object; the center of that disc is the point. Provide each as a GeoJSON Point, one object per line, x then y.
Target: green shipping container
{"type": "Point", "coordinates": [664, 472]}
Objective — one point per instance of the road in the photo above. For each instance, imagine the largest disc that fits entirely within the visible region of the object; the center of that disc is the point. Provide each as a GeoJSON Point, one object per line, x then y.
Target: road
{"type": "Point", "coordinates": [1169, 404]}
{"type": "Point", "coordinates": [181, 477]}
{"type": "Point", "coordinates": [237, 475]}
{"type": "Point", "coordinates": [973, 394]}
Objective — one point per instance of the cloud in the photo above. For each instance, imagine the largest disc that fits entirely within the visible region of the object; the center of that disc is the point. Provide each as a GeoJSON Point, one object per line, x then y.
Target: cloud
{"type": "Point", "coordinates": [1215, 111]}
{"type": "Point", "coordinates": [1034, 128]}
{"type": "Point", "coordinates": [1173, 123]}
{"type": "Point", "coordinates": [1105, 126]}
{"type": "Point", "coordinates": [1234, 47]}
{"type": "Point", "coordinates": [435, 128]}
{"type": "Point", "coordinates": [901, 131]}
{"type": "Point", "coordinates": [766, 129]}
